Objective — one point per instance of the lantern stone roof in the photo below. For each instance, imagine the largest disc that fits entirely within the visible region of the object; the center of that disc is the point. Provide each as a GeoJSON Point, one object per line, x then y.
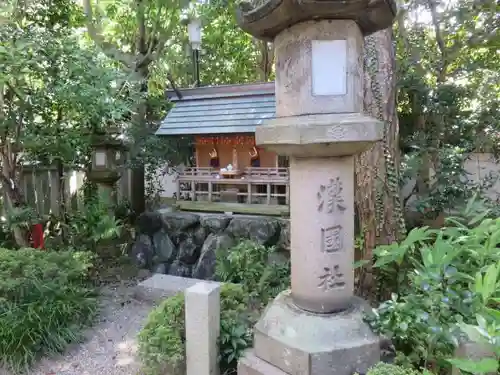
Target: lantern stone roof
{"type": "Point", "coordinates": [219, 109]}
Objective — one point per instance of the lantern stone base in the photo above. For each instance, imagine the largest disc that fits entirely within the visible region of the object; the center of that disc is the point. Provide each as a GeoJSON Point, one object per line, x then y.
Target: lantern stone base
{"type": "Point", "coordinates": [291, 341]}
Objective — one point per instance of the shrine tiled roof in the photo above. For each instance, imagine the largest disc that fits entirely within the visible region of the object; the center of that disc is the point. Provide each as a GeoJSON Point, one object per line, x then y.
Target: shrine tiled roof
{"type": "Point", "coordinates": [219, 109]}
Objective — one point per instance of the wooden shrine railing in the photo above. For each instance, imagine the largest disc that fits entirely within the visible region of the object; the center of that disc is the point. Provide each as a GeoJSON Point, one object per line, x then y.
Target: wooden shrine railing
{"type": "Point", "coordinates": [251, 186]}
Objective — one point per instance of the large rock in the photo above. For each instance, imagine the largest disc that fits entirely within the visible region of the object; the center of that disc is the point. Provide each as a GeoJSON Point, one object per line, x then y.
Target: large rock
{"type": "Point", "coordinates": [189, 251]}
{"type": "Point", "coordinates": [263, 231]}
{"type": "Point", "coordinates": [164, 248]}
{"type": "Point", "coordinates": [199, 235]}
{"type": "Point", "coordinates": [284, 238]}
{"type": "Point", "coordinates": [179, 269]}
{"type": "Point", "coordinates": [215, 223]}
{"type": "Point", "coordinates": [279, 257]}
{"type": "Point", "coordinates": [143, 252]}
{"type": "Point", "coordinates": [161, 268]}
{"type": "Point", "coordinates": [190, 245]}
{"type": "Point", "coordinates": [176, 243]}
{"type": "Point", "coordinates": [205, 267]}
{"type": "Point", "coordinates": [149, 223]}
{"type": "Point", "coordinates": [179, 221]}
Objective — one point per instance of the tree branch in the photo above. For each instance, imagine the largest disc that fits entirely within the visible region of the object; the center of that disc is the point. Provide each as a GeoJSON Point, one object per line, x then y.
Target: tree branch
{"type": "Point", "coordinates": [411, 194]}
{"type": "Point", "coordinates": [174, 86]}
{"type": "Point", "coordinates": [439, 40]}
{"type": "Point", "coordinates": [96, 35]}
{"type": "Point", "coordinates": [163, 37]}
{"type": "Point", "coordinates": [141, 26]}
{"type": "Point", "coordinates": [153, 41]}
{"type": "Point", "coordinates": [412, 52]}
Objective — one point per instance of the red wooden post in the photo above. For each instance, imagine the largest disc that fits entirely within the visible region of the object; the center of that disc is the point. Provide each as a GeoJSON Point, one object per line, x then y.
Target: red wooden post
{"type": "Point", "coordinates": [37, 236]}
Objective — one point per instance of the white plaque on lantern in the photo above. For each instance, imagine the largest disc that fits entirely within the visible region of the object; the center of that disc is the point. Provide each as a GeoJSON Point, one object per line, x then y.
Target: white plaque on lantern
{"type": "Point", "coordinates": [100, 158]}
{"type": "Point", "coordinates": [329, 67]}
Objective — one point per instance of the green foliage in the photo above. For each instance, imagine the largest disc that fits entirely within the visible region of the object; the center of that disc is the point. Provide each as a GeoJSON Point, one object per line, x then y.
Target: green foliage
{"type": "Point", "coordinates": [450, 188]}
{"type": "Point", "coordinates": [55, 90]}
{"type": "Point", "coordinates": [251, 265]}
{"type": "Point", "coordinates": [448, 102]}
{"type": "Point", "coordinates": [162, 340]}
{"type": "Point", "coordinates": [436, 291]}
{"type": "Point", "coordinates": [486, 330]}
{"type": "Point", "coordinates": [93, 224]}
{"type": "Point", "coordinates": [45, 303]}
{"type": "Point", "coordinates": [388, 369]}
{"type": "Point", "coordinates": [58, 86]}
{"type": "Point", "coordinates": [92, 227]}
{"type": "Point", "coordinates": [18, 217]}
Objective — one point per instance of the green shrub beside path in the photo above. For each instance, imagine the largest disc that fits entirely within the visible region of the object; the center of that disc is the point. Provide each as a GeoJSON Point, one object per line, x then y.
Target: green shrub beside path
{"type": "Point", "coordinates": [45, 302]}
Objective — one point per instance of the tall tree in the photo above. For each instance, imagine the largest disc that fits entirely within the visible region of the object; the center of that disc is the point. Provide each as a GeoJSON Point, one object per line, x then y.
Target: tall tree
{"type": "Point", "coordinates": [53, 91]}
{"type": "Point", "coordinates": [378, 200]}
{"type": "Point", "coordinates": [135, 34]}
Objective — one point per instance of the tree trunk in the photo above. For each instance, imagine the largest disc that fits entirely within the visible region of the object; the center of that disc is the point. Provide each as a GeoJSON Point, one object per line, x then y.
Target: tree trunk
{"type": "Point", "coordinates": [265, 62]}
{"type": "Point", "coordinates": [378, 202]}
{"type": "Point", "coordinates": [13, 198]}
{"type": "Point", "coordinates": [137, 194]}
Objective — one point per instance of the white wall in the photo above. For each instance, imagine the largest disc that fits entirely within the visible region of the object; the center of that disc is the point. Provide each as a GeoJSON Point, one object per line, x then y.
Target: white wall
{"type": "Point", "coordinates": [481, 166]}
{"type": "Point", "coordinates": [165, 181]}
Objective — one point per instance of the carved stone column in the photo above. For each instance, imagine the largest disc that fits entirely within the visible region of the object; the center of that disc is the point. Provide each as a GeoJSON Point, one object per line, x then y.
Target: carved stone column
{"type": "Point", "coordinates": [317, 328]}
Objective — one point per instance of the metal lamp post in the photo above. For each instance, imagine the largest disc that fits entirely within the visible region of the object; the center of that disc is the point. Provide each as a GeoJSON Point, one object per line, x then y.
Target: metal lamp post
{"type": "Point", "coordinates": [194, 33]}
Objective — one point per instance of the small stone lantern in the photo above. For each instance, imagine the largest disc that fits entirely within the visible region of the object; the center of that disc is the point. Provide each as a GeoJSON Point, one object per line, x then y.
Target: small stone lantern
{"type": "Point", "coordinates": [107, 155]}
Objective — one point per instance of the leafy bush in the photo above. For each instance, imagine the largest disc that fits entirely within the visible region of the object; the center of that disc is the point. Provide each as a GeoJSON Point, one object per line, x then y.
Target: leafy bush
{"type": "Point", "coordinates": [162, 340]}
{"type": "Point", "coordinates": [486, 330]}
{"type": "Point", "coordinates": [251, 265]}
{"type": "Point", "coordinates": [388, 369]}
{"type": "Point", "coordinates": [44, 303]}
{"type": "Point", "coordinates": [434, 270]}
{"type": "Point", "coordinates": [92, 225]}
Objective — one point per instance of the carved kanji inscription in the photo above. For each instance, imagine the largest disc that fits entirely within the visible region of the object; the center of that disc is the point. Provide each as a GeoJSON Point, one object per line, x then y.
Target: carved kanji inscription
{"type": "Point", "coordinates": [331, 278]}
{"type": "Point", "coordinates": [331, 239]}
{"type": "Point", "coordinates": [330, 197]}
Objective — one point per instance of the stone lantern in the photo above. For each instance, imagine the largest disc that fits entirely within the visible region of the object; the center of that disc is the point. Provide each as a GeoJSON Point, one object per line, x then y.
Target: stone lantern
{"type": "Point", "coordinates": [107, 156]}
{"type": "Point", "coordinates": [317, 327]}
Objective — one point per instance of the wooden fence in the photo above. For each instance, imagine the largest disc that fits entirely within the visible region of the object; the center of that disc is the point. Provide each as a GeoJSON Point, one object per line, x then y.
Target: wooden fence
{"type": "Point", "coordinates": [41, 188]}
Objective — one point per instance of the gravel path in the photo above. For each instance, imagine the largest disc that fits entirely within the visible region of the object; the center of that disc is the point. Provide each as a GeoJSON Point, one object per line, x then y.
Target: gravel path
{"type": "Point", "coordinates": [111, 345]}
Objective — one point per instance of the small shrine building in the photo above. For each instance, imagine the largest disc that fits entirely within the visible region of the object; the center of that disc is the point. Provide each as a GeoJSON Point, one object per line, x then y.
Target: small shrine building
{"type": "Point", "coordinates": [231, 173]}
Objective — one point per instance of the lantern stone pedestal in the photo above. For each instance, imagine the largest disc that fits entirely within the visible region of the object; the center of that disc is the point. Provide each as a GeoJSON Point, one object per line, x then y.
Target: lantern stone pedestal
{"type": "Point", "coordinates": [106, 185]}
{"type": "Point", "coordinates": [317, 328]}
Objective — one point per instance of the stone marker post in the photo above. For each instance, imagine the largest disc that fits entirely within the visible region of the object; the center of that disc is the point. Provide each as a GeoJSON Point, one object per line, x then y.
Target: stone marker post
{"type": "Point", "coordinates": [202, 317]}
{"type": "Point", "coordinates": [317, 327]}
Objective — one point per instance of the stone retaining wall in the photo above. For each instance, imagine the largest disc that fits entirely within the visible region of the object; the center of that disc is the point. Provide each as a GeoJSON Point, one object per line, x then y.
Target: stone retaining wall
{"type": "Point", "coordinates": [185, 244]}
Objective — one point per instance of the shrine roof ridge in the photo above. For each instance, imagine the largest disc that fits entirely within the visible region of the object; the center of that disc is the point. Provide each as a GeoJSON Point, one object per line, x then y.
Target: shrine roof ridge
{"type": "Point", "coordinates": [227, 109]}
{"type": "Point", "coordinates": [221, 91]}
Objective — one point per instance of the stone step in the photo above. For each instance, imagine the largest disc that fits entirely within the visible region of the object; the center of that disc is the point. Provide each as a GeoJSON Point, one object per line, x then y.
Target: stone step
{"type": "Point", "coordinates": [159, 286]}
{"type": "Point", "coordinates": [250, 364]}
